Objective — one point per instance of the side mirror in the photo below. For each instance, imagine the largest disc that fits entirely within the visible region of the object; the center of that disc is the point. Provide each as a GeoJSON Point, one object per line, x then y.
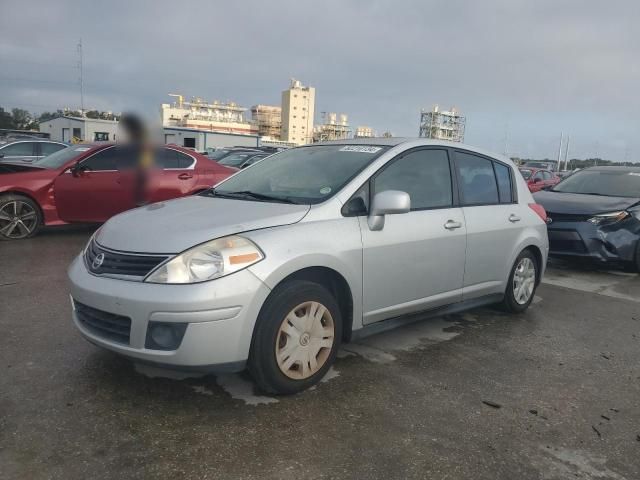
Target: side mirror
{"type": "Point", "coordinates": [389, 202]}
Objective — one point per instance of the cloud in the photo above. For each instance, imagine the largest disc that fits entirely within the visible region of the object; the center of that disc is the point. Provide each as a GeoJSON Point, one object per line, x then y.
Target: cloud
{"type": "Point", "coordinates": [521, 71]}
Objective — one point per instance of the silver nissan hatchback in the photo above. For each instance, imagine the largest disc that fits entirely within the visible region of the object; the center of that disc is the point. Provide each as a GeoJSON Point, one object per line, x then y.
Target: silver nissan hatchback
{"type": "Point", "coordinates": [274, 267]}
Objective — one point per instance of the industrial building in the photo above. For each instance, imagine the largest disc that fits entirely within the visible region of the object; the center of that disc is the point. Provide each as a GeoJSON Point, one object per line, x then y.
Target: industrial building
{"type": "Point", "coordinates": [364, 132]}
{"type": "Point", "coordinates": [442, 125]}
{"type": "Point", "coordinates": [268, 119]}
{"type": "Point", "coordinates": [298, 105]}
{"type": "Point", "coordinates": [334, 127]}
{"type": "Point", "coordinates": [79, 129]}
{"type": "Point", "coordinates": [213, 117]}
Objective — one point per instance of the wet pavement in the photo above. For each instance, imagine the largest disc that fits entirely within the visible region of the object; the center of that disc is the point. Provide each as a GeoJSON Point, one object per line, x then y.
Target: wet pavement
{"type": "Point", "coordinates": [550, 394]}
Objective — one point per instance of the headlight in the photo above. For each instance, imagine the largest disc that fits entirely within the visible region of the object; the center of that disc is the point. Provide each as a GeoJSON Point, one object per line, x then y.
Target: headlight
{"type": "Point", "coordinates": [210, 260]}
{"type": "Point", "coordinates": [608, 218]}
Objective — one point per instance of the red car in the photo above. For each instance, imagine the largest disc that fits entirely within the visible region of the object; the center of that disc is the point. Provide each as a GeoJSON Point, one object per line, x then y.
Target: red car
{"type": "Point", "coordinates": [91, 183]}
{"type": "Point", "coordinates": [539, 178]}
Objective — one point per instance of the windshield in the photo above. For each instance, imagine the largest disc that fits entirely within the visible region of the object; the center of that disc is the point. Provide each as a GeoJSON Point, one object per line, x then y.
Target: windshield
{"type": "Point", "coordinates": [59, 158]}
{"type": "Point", "coordinates": [306, 175]}
{"type": "Point", "coordinates": [621, 183]}
{"type": "Point", "coordinates": [526, 173]}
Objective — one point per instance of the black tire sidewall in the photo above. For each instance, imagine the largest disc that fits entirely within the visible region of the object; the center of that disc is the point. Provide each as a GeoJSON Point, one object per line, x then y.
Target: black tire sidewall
{"type": "Point", "coordinates": [10, 198]}
{"type": "Point", "coordinates": [262, 360]}
{"type": "Point", "coordinates": [509, 303]}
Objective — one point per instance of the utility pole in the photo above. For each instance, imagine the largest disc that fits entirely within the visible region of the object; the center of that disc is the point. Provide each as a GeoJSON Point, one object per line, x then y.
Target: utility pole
{"type": "Point", "coordinates": [81, 77]}
{"type": "Point", "coordinates": [560, 150]}
{"type": "Point", "coordinates": [566, 153]}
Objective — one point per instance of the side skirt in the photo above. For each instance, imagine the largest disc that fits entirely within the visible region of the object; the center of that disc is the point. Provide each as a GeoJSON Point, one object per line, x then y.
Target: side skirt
{"type": "Point", "coordinates": [396, 322]}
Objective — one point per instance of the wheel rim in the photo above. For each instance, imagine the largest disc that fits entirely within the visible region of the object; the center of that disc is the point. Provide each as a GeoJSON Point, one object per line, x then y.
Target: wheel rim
{"type": "Point", "coordinates": [18, 219]}
{"type": "Point", "coordinates": [524, 279]}
{"type": "Point", "coordinates": [305, 340]}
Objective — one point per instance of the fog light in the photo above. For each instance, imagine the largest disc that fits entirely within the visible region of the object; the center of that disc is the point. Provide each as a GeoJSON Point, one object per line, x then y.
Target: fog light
{"type": "Point", "coordinates": [164, 336]}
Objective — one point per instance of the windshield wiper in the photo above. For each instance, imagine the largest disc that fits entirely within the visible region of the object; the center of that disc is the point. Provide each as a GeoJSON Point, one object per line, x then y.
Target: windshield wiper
{"type": "Point", "coordinates": [250, 194]}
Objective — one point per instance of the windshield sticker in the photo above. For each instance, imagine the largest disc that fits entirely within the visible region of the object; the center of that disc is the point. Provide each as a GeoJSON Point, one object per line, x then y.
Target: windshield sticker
{"type": "Point", "coordinates": [360, 149]}
{"type": "Point", "coordinates": [325, 190]}
{"type": "Point", "coordinates": [82, 149]}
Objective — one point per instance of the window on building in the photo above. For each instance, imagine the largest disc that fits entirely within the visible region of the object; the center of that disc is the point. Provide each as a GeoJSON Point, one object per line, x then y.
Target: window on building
{"type": "Point", "coordinates": [189, 142]}
{"type": "Point", "coordinates": [424, 174]}
{"type": "Point", "coordinates": [77, 133]}
{"type": "Point", "coordinates": [477, 179]}
{"type": "Point", "coordinates": [100, 137]}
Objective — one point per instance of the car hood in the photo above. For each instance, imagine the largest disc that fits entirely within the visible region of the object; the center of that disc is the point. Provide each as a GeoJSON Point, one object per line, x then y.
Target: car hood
{"type": "Point", "coordinates": [176, 225]}
{"type": "Point", "coordinates": [581, 204]}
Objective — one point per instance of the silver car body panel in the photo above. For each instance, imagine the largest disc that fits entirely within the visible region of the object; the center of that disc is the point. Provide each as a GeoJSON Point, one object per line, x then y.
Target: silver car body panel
{"type": "Point", "coordinates": [413, 264]}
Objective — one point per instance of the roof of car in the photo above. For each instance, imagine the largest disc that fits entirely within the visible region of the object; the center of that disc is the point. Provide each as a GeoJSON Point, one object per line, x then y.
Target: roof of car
{"type": "Point", "coordinates": [614, 169]}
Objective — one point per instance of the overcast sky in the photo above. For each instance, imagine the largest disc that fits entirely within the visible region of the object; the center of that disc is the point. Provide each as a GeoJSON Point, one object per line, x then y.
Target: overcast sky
{"type": "Point", "coordinates": [521, 71]}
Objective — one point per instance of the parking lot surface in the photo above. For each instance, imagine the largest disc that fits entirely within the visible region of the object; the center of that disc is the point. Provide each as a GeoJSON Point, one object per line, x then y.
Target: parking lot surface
{"type": "Point", "coordinates": [550, 394]}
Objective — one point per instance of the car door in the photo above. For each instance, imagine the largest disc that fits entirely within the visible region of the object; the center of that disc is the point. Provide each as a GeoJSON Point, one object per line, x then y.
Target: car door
{"type": "Point", "coordinates": [493, 220]}
{"type": "Point", "coordinates": [96, 189]}
{"type": "Point", "coordinates": [174, 175]}
{"type": "Point", "coordinates": [416, 262]}
{"type": "Point", "coordinates": [19, 152]}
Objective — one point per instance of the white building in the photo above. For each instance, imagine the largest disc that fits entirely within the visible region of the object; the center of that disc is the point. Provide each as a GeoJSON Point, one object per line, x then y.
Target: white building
{"type": "Point", "coordinates": [442, 124]}
{"type": "Point", "coordinates": [298, 105]}
{"type": "Point", "coordinates": [75, 129]}
{"type": "Point", "coordinates": [364, 132]}
{"type": "Point", "coordinates": [200, 140]}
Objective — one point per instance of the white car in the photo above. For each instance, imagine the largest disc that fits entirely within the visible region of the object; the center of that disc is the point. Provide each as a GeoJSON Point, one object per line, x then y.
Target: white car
{"type": "Point", "coordinates": [310, 247]}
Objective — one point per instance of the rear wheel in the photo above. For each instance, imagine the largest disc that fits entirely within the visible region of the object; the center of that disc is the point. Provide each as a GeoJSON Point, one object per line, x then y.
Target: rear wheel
{"type": "Point", "coordinates": [522, 283]}
{"type": "Point", "coordinates": [19, 217]}
{"type": "Point", "coordinates": [296, 338]}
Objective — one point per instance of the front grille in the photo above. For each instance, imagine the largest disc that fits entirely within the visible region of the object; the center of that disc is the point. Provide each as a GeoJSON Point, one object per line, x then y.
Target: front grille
{"type": "Point", "coordinates": [567, 217]}
{"type": "Point", "coordinates": [110, 326]}
{"type": "Point", "coordinates": [120, 263]}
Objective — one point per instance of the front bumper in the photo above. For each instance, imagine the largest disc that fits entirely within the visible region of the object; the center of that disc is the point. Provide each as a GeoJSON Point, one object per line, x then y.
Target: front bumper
{"type": "Point", "coordinates": [607, 244]}
{"type": "Point", "coordinates": [220, 315]}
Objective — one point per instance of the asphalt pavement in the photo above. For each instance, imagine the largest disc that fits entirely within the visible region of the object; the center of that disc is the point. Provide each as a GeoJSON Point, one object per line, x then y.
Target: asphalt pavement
{"type": "Point", "coordinates": [550, 394]}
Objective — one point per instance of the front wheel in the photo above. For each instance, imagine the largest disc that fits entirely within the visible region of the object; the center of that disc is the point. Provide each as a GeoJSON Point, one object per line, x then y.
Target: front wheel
{"type": "Point", "coordinates": [522, 283]}
{"type": "Point", "coordinates": [296, 338]}
{"type": "Point", "coordinates": [19, 217]}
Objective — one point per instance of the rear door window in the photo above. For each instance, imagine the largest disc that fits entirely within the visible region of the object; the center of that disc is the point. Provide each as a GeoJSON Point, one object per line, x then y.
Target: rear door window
{"type": "Point", "coordinates": [172, 159]}
{"type": "Point", "coordinates": [49, 148]}
{"type": "Point", "coordinates": [503, 177]}
{"type": "Point", "coordinates": [477, 180]}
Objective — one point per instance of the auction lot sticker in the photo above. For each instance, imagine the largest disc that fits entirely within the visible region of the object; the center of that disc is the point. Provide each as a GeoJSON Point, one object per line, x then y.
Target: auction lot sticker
{"type": "Point", "coordinates": [360, 149]}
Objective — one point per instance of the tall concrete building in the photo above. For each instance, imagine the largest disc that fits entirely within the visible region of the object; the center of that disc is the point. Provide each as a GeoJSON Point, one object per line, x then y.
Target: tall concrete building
{"type": "Point", "coordinates": [268, 119]}
{"type": "Point", "coordinates": [298, 105]}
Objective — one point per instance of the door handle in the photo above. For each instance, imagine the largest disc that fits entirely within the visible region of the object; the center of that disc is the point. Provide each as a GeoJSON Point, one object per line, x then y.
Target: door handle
{"type": "Point", "coordinates": [513, 218]}
{"type": "Point", "coordinates": [451, 225]}
{"type": "Point", "coordinates": [185, 176]}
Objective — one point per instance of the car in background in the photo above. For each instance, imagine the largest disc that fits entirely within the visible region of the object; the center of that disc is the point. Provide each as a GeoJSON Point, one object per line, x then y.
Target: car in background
{"type": "Point", "coordinates": [277, 265]}
{"type": "Point", "coordinates": [242, 159]}
{"type": "Point", "coordinates": [539, 179]}
{"type": "Point", "coordinates": [27, 150]}
{"type": "Point", "coordinates": [544, 165]}
{"type": "Point", "coordinates": [91, 183]}
{"type": "Point", "coordinates": [595, 214]}
{"type": "Point", "coordinates": [219, 153]}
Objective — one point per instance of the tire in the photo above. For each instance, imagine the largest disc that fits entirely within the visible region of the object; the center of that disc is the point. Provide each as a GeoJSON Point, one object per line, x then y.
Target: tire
{"type": "Point", "coordinates": [525, 269]}
{"type": "Point", "coordinates": [283, 358]}
{"type": "Point", "coordinates": [20, 217]}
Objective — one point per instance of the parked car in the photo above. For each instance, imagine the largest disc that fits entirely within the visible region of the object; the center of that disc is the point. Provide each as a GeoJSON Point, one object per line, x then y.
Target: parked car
{"type": "Point", "coordinates": [220, 153]}
{"type": "Point", "coordinates": [91, 183]}
{"type": "Point", "coordinates": [544, 165]}
{"type": "Point", "coordinates": [28, 150]}
{"type": "Point", "coordinates": [538, 179]}
{"type": "Point", "coordinates": [319, 244]}
{"type": "Point", "coordinates": [595, 214]}
{"type": "Point", "coordinates": [242, 159]}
